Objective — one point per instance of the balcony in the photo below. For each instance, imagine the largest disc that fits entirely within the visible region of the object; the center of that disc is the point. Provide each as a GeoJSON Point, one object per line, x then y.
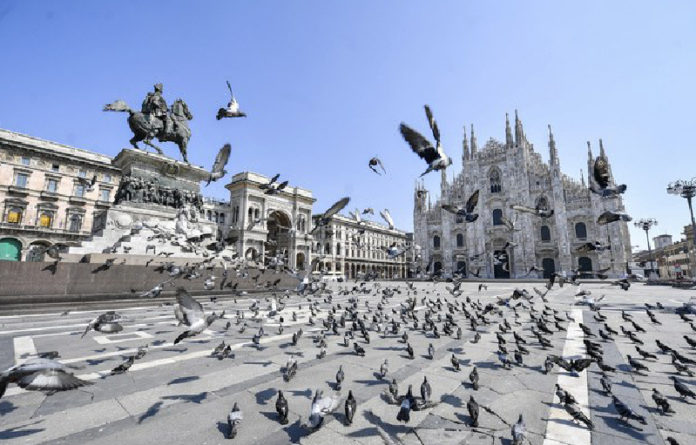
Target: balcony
{"type": "Point", "coordinates": [18, 191]}
{"type": "Point", "coordinates": [49, 196]}
{"type": "Point", "coordinates": [103, 204]}
{"type": "Point", "coordinates": [77, 200]}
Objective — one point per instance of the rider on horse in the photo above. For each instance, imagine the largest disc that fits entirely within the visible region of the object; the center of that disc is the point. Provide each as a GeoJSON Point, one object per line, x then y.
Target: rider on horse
{"type": "Point", "coordinates": [155, 107]}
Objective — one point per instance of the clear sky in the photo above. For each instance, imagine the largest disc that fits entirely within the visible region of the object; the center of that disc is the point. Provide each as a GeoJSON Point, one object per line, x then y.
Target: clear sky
{"type": "Point", "coordinates": [326, 83]}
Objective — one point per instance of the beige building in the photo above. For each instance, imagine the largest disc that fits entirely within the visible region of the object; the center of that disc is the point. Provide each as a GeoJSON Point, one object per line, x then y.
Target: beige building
{"type": "Point", "coordinates": [346, 254]}
{"type": "Point", "coordinates": [42, 198]}
{"type": "Point", "coordinates": [265, 226]}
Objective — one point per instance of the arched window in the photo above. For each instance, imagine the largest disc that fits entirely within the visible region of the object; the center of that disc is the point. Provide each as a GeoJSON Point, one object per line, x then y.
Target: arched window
{"type": "Point", "coordinates": [436, 242]}
{"type": "Point", "coordinates": [580, 230]}
{"type": "Point", "coordinates": [494, 177]}
{"type": "Point", "coordinates": [251, 213]}
{"type": "Point", "coordinates": [256, 213]}
{"type": "Point", "coordinates": [497, 217]}
{"type": "Point", "coordinates": [545, 233]}
{"type": "Point", "coordinates": [542, 203]}
{"type": "Point", "coordinates": [460, 240]}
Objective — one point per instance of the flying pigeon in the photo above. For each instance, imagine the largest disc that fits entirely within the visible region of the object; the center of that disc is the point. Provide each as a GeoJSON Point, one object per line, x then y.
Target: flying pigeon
{"type": "Point", "coordinates": [232, 109]}
{"type": "Point", "coordinates": [610, 217]}
{"type": "Point", "coordinates": [374, 162]}
{"type": "Point", "coordinates": [218, 170]}
{"type": "Point", "coordinates": [540, 211]}
{"type": "Point", "coordinates": [386, 216]}
{"type": "Point", "coordinates": [599, 183]}
{"type": "Point", "coordinates": [467, 212]}
{"type": "Point", "coordinates": [434, 156]}
{"type": "Point", "coordinates": [325, 218]}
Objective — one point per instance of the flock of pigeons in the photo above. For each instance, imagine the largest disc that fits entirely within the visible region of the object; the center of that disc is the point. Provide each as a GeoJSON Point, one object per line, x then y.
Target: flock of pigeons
{"type": "Point", "coordinates": [523, 324]}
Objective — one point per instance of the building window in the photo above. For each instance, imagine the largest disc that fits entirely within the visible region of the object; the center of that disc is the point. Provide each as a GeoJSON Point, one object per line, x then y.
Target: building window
{"type": "Point", "coordinates": [460, 240]}
{"type": "Point", "coordinates": [497, 217]}
{"type": "Point", "coordinates": [436, 242]}
{"type": "Point", "coordinates": [82, 173]}
{"type": "Point", "coordinates": [494, 177]}
{"type": "Point", "coordinates": [80, 190]}
{"type": "Point", "coordinates": [51, 185]}
{"type": "Point", "coordinates": [256, 213]}
{"type": "Point", "coordinates": [545, 233]}
{"type": "Point", "coordinates": [21, 180]}
{"type": "Point", "coordinates": [222, 218]}
{"type": "Point", "coordinates": [581, 231]}
{"type": "Point", "coordinates": [542, 203]}
{"type": "Point", "coordinates": [327, 248]}
{"type": "Point", "coordinates": [26, 160]}
{"type": "Point", "coordinates": [338, 248]}
{"type": "Point", "coordinates": [104, 195]}
{"type": "Point", "coordinates": [14, 216]}
{"type": "Point", "coordinates": [74, 222]}
{"type": "Point", "coordinates": [46, 220]}
{"type": "Point", "coordinates": [106, 178]}
{"type": "Point", "coordinates": [55, 167]}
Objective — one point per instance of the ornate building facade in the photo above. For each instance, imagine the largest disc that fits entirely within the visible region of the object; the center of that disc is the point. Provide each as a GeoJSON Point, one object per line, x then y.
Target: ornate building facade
{"type": "Point", "coordinates": [43, 196]}
{"type": "Point", "coordinates": [347, 254]}
{"type": "Point", "coordinates": [512, 173]}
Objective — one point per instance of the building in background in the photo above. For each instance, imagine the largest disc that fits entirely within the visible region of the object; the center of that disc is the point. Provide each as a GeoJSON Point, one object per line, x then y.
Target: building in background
{"type": "Point", "coordinates": [661, 241]}
{"type": "Point", "coordinates": [671, 260]}
{"type": "Point", "coordinates": [44, 198]}
{"type": "Point", "coordinates": [270, 225]}
{"type": "Point", "coordinates": [348, 254]}
{"type": "Point", "coordinates": [512, 173]}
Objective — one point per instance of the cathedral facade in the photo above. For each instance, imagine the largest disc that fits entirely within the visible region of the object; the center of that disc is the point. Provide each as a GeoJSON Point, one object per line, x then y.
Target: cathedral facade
{"type": "Point", "coordinates": [512, 173]}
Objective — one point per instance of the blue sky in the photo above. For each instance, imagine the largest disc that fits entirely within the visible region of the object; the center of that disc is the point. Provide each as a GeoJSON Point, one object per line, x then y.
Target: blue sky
{"type": "Point", "coordinates": [326, 83]}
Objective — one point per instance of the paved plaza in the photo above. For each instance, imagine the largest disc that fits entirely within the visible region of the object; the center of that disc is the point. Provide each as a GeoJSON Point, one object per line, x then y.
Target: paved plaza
{"type": "Point", "coordinates": [179, 394]}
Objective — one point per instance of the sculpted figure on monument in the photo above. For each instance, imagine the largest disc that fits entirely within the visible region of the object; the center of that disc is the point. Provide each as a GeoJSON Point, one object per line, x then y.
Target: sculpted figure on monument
{"type": "Point", "coordinates": [156, 120]}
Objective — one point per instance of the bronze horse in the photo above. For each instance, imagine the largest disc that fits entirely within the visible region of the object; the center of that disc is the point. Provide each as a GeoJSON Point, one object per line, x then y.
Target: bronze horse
{"type": "Point", "coordinates": [146, 130]}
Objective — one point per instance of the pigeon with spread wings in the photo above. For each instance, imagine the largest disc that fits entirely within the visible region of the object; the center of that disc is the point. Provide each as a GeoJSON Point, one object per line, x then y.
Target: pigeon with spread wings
{"type": "Point", "coordinates": [218, 170]}
{"type": "Point", "coordinates": [386, 216]}
{"type": "Point", "coordinates": [468, 211]}
{"type": "Point", "coordinates": [433, 155]}
{"type": "Point", "coordinates": [539, 210]}
{"type": "Point", "coordinates": [232, 109]}
{"type": "Point", "coordinates": [325, 218]}
{"type": "Point", "coordinates": [610, 217]}
{"type": "Point", "coordinates": [190, 312]}
{"type": "Point", "coordinates": [600, 182]}
{"type": "Point", "coordinates": [374, 163]}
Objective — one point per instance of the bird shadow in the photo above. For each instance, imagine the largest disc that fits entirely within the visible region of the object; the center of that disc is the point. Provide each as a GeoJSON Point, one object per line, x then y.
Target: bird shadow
{"type": "Point", "coordinates": [464, 418]}
{"type": "Point", "coordinates": [223, 428]}
{"type": "Point", "coordinates": [294, 432]}
{"type": "Point", "coordinates": [6, 407]}
{"type": "Point", "coordinates": [262, 397]}
{"type": "Point", "coordinates": [451, 400]}
{"type": "Point", "coordinates": [151, 411]}
{"type": "Point", "coordinates": [264, 364]}
{"type": "Point", "coordinates": [388, 348]}
{"type": "Point", "coordinates": [623, 427]}
{"type": "Point", "coordinates": [307, 393]}
{"type": "Point", "coordinates": [195, 398]}
{"type": "Point", "coordinates": [12, 433]}
{"type": "Point", "coordinates": [270, 415]}
{"type": "Point", "coordinates": [185, 379]}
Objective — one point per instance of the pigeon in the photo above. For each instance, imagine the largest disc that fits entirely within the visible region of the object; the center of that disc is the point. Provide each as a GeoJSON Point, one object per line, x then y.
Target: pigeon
{"type": "Point", "coordinates": [384, 369]}
{"type": "Point", "coordinates": [425, 390]}
{"type": "Point", "coordinates": [386, 216]}
{"type": "Point", "coordinates": [321, 406]}
{"type": "Point", "coordinates": [636, 366]}
{"type": "Point", "coordinates": [218, 171]}
{"type": "Point", "coordinates": [282, 408]}
{"type": "Point", "coordinates": [40, 374]}
{"type": "Point", "coordinates": [290, 370]}
{"type": "Point", "coordinates": [358, 350]}
{"type": "Point", "coordinates": [407, 404]}
{"type": "Point", "coordinates": [435, 156]}
{"type": "Point", "coordinates": [431, 351]}
{"type": "Point", "coordinates": [393, 388]}
{"type": "Point", "coordinates": [325, 218]}
{"type": "Point", "coordinates": [232, 109]}
{"type": "Point", "coordinates": [350, 407]}
{"type": "Point", "coordinates": [576, 413]}
{"type": "Point", "coordinates": [273, 187]}
{"type": "Point", "coordinates": [661, 402]}
{"type": "Point", "coordinates": [599, 182]}
{"type": "Point", "coordinates": [123, 367]}
{"type": "Point", "coordinates": [467, 212]}
{"type": "Point", "coordinates": [682, 389]}
{"type": "Point", "coordinates": [339, 377]}
{"type": "Point", "coordinates": [87, 183]}
{"type": "Point", "coordinates": [519, 432]}
{"type": "Point", "coordinates": [473, 408]}
{"type": "Point", "coordinates": [539, 210]}
{"type": "Point", "coordinates": [626, 413]}
{"type": "Point", "coordinates": [192, 315]}
{"type": "Point", "coordinates": [233, 419]}
{"type": "Point", "coordinates": [373, 163]}
{"type": "Point", "coordinates": [455, 363]}
{"type": "Point", "coordinates": [564, 396]}
{"type": "Point", "coordinates": [105, 323]}
{"type": "Point", "coordinates": [610, 217]}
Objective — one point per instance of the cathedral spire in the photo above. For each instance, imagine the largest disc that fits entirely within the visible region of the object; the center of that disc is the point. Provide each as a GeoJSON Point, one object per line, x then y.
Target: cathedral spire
{"type": "Point", "coordinates": [508, 132]}
{"type": "Point", "coordinates": [553, 155]}
{"type": "Point", "coordinates": [604, 155]}
{"type": "Point", "coordinates": [590, 162]}
{"type": "Point", "coordinates": [582, 178]}
{"type": "Point", "coordinates": [465, 147]}
{"type": "Point", "coordinates": [443, 183]}
{"type": "Point", "coordinates": [519, 131]}
{"type": "Point", "coordinates": [474, 148]}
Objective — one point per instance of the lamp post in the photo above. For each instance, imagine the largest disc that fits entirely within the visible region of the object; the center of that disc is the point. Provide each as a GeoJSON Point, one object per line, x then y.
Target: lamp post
{"type": "Point", "coordinates": [687, 189]}
{"type": "Point", "coordinates": [646, 224]}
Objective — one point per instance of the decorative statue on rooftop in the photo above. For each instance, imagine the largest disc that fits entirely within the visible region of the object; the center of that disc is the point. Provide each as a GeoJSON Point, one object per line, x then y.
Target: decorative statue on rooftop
{"type": "Point", "coordinates": [156, 120]}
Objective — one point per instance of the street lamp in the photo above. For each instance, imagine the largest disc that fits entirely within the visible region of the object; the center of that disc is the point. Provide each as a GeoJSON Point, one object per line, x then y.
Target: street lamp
{"type": "Point", "coordinates": [646, 224]}
{"type": "Point", "coordinates": [687, 189]}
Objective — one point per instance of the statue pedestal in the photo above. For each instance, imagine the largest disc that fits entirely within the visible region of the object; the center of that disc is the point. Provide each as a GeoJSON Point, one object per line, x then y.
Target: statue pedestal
{"type": "Point", "coordinates": [154, 191]}
{"type": "Point", "coordinates": [166, 171]}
